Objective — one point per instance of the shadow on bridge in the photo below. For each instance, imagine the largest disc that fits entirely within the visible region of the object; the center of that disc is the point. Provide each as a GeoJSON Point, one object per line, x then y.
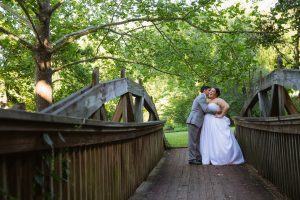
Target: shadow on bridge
{"type": "Point", "coordinates": [174, 179]}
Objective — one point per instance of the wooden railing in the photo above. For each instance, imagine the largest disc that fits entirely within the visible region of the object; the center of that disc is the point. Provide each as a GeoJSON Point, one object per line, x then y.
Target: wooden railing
{"type": "Point", "coordinates": [272, 146]}
{"type": "Point", "coordinates": [44, 156]}
{"type": "Point", "coordinates": [278, 102]}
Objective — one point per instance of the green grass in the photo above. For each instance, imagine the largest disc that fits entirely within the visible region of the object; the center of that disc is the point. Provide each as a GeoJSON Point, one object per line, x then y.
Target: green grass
{"type": "Point", "coordinates": [180, 139]}
{"type": "Point", "coordinates": [177, 139]}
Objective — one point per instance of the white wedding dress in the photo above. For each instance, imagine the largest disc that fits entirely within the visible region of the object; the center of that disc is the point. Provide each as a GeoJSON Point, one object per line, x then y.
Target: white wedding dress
{"type": "Point", "coordinates": [218, 145]}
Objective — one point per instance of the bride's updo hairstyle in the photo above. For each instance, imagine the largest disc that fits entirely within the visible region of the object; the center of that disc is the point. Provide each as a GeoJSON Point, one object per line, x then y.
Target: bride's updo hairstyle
{"type": "Point", "coordinates": [218, 92]}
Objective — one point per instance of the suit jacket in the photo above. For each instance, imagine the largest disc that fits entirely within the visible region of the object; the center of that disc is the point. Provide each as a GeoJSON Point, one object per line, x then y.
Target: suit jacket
{"type": "Point", "coordinates": [199, 108]}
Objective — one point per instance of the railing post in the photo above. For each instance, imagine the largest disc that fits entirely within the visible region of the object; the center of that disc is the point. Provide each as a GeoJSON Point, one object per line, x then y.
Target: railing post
{"type": "Point", "coordinates": [95, 76]}
{"type": "Point", "coordinates": [123, 72]}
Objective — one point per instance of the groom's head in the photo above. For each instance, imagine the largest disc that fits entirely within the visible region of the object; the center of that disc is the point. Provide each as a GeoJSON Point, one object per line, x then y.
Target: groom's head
{"type": "Point", "coordinates": [205, 89]}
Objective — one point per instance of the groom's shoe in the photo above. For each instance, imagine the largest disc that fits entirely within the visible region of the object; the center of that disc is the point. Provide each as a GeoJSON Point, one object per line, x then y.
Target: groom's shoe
{"type": "Point", "coordinates": [195, 162]}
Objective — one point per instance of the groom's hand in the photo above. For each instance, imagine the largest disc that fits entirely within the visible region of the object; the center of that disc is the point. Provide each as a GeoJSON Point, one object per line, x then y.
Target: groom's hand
{"type": "Point", "coordinates": [219, 115]}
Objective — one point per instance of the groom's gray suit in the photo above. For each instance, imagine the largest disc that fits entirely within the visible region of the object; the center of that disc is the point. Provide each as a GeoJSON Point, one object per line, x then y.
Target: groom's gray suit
{"type": "Point", "coordinates": [194, 123]}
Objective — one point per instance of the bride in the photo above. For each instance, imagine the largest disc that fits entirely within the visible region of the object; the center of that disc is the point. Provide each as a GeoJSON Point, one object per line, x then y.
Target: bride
{"type": "Point", "coordinates": [218, 145]}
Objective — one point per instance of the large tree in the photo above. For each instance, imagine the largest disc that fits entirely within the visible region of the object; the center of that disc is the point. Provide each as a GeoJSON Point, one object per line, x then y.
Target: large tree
{"type": "Point", "coordinates": [46, 27]}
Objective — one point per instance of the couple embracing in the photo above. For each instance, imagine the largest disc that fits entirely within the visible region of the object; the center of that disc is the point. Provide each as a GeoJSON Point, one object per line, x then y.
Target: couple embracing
{"type": "Point", "coordinates": [210, 140]}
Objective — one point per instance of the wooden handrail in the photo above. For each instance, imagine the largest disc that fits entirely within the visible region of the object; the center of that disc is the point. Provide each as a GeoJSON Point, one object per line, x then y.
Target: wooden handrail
{"type": "Point", "coordinates": [280, 77]}
{"type": "Point", "coordinates": [271, 145]}
{"type": "Point", "coordinates": [87, 102]}
{"type": "Point", "coordinates": [27, 135]}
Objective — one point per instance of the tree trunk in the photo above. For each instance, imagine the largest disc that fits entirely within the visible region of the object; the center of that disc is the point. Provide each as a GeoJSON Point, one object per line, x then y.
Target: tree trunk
{"type": "Point", "coordinates": [42, 56]}
{"type": "Point", "coordinates": [43, 79]}
{"type": "Point", "coordinates": [296, 51]}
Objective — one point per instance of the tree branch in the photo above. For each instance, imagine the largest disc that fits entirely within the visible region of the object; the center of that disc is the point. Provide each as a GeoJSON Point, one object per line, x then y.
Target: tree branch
{"type": "Point", "coordinates": [116, 59]}
{"type": "Point", "coordinates": [56, 6]}
{"type": "Point", "coordinates": [225, 32]}
{"type": "Point", "coordinates": [31, 22]}
{"type": "Point", "coordinates": [17, 38]}
{"type": "Point", "coordinates": [77, 34]}
{"type": "Point", "coordinates": [173, 46]}
{"type": "Point", "coordinates": [11, 11]}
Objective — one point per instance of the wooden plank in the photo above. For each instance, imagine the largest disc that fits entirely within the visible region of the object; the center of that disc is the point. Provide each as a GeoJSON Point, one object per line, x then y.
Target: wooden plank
{"type": "Point", "coordinates": [138, 90]}
{"type": "Point", "coordinates": [103, 113]}
{"type": "Point", "coordinates": [129, 107]}
{"type": "Point", "coordinates": [86, 104]}
{"type": "Point", "coordinates": [138, 109]}
{"type": "Point", "coordinates": [274, 111]}
{"type": "Point", "coordinates": [281, 100]}
{"type": "Point", "coordinates": [289, 105]}
{"type": "Point", "coordinates": [264, 104]}
{"type": "Point", "coordinates": [119, 110]}
{"type": "Point", "coordinates": [282, 77]}
{"type": "Point", "coordinates": [124, 109]}
{"type": "Point", "coordinates": [64, 101]}
{"type": "Point", "coordinates": [272, 152]}
{"type": "Point", "coordinates": [246, 110]}
{"type": "Point", "coordinates": [95, 76]}
{"type": "Point", "coordinates": [200, 182]}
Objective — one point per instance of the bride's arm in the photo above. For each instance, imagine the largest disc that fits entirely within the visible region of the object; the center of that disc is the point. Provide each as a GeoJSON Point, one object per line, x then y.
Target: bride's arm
{"type": "Point", "coordinates": [224, 107]}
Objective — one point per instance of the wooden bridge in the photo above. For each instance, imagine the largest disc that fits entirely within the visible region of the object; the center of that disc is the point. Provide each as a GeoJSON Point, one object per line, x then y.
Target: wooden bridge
{"type": "Point", "coordinates": [71, 150]}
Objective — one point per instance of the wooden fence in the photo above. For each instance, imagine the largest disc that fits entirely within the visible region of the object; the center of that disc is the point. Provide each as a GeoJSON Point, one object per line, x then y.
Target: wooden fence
{"type": "Point", "coordinates": [272, 146]}
{"type": "Point", "coordinates": [44, 156]}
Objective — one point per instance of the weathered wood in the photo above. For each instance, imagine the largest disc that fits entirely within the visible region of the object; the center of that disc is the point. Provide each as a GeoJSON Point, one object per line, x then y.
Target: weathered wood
{"type": "Point", "coordinates": [119, 110]}
{"type": "Point", "coordinates": [129, 108]}
{"type": "Point", "coordinates": [86, 104]}
{"type": "Point", "coordinates": [282, 124]}
{"type": "Point", "coordinates": [95, 76]}
{"type": "Point", "coordinates": [246, 111]}
{"type": "Point", "coordinates": [66, 100]}
{"type": "Point", "coordinates": [281, 77]}
{"type": "Point", "coordinates": [174, 179]}
{"type": "Point", "coordinates": [28, 135]}
{"type": "Point", "coordinates": [138, 90]}
{"type": "Point", "coordinates": [138, 109]}
{"type": "Point", "coordinates": [281, 100]}
{"type": "Point", "coordinates": [97, 160]}
{"type": "Point", "coordinates": [264, 104]}
{"type": "Point", "coordinates": [103, 113]}
{"type": "Point", "coordinates": [289, 105]}
{"type": "Point", "coordinates": [88, 101]}
{"type": "Point", "coordinates": [271, 146]}
{"type": "Point", "coordinates": [123, 72]}
{"type": "Point", "coordinates": [274, 111]}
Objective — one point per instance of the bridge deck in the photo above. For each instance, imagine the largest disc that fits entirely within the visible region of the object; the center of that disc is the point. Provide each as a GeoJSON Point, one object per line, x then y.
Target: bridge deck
{"type": "Point", "coordinates": [174, 179]}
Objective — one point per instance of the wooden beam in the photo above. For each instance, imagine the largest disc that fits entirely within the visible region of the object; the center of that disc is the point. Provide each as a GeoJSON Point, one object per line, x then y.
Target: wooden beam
{"type": "Point", "coordinates": [246, 110]}
{"type": "Point", "coordinates": [119, 110]}
{"type": "Point", "coordinates": [103, 113]}
{"type": "Point", "coordinates": [264, 104]}
{"type": "Point", "coordinates": [138, 109]}
{"type": "Point", "coordinates": [274, 110]}
{"type": "Point", "coordinates": [289, 105]}
{"type": "Point", "coordinates": [281, 100]}
{"type": "Point", "coordinates": [84, 105]}
{"type": "Point", "coordinates": [95, 76]}
{"type": "Point", "coordinates": [138, 90]}
{"type": "Point", "coordinates": [65, 101]}
{"type": "Point", "coordinates": [283, 77]}
{"type": "Point", "coordinates": [129, 108]}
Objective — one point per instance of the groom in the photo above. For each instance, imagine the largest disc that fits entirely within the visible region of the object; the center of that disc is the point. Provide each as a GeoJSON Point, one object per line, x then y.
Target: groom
{"type": "Point", "coordinates": [194, 123]}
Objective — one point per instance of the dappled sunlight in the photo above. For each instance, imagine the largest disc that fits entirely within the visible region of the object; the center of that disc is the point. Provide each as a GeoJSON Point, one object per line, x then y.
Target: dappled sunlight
{"type": "Point", "coordinates": [44, 90]}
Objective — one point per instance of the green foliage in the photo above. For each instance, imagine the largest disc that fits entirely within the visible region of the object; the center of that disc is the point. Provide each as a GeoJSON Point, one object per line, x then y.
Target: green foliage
{"type": "Point", "coordinates": [172, 57]}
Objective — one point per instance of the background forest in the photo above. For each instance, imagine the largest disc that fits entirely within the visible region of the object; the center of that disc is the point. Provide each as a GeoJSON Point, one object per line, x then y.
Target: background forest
{"type": "Point", "coordinates": [173, 46]}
